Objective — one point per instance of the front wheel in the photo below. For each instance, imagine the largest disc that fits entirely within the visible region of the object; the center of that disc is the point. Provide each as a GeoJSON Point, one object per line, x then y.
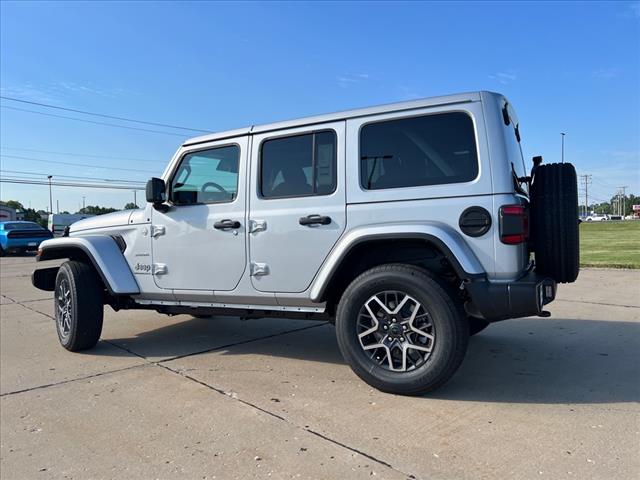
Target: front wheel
{"type": "Point", "coordinates": [78, 306]}
{"type": "Point", "coordinates": [400, 330]}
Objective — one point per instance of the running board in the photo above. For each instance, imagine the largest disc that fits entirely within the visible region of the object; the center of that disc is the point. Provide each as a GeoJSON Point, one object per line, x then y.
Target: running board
{"type": "Point", "coordinates": [275, 308]}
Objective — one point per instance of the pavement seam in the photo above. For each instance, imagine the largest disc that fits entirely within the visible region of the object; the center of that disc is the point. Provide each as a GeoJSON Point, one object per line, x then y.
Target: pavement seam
{"type": "Point", "coordinates": [597, 303]}
{"type": "Point", "coordinates": [11, 300]}
{"type": "Point", "coordinates": [71, 380]}
{"type": "Point", "coordinates": [213, 349]}
{"type": "Point", "coordinates": [50, 317]}
{"type": "Point", "coordinates": [254, 406]}
{"type": "Point", "coordinates": [285, 420]}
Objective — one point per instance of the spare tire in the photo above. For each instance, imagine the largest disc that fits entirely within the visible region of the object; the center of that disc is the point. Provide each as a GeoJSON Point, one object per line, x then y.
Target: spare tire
{"type": "Point", "coordinates": [554, 221]}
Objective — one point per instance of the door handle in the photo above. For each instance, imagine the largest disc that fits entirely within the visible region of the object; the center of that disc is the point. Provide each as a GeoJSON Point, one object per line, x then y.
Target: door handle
{"type": "Point", "coordinates": [315, 220]}
{"type": "Point", "coordinates": [226, 224]}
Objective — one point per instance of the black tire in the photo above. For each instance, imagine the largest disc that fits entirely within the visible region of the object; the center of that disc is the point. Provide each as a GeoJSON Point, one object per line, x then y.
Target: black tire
{"type": "Point", "coordinates": [450, 329]}
{"type": "Point", "coordinates": [476, 325]}
{"type": "Point", "coordinates": [2, 254]}
{"type": "Point", "coordinates": [78, 292]}
{"type": "Point", "coordinates": [554, 224]}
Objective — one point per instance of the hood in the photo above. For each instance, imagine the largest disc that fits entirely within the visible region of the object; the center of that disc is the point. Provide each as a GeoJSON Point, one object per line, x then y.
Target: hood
{"type": "Point", "coordinates": [102, 221]}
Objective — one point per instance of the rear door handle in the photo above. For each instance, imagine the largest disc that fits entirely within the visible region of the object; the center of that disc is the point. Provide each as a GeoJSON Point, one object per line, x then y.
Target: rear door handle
{"type": "Point", "coordinates": [226, 224]}
{"type": "Point", "coordinates": [315, 220]}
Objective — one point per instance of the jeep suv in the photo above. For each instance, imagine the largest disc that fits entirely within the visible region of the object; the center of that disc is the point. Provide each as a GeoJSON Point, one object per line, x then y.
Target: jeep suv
{"type": "Point", "coordinates": [409, 226]}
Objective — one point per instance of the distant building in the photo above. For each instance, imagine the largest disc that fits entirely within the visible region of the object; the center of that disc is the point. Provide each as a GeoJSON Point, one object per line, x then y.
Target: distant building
{"type": "Point", "coordinates": [7, 213]}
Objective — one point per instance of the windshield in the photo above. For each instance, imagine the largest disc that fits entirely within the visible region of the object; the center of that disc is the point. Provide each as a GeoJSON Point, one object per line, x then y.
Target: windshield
{"type": "Point", "coordinates": [22, 226]}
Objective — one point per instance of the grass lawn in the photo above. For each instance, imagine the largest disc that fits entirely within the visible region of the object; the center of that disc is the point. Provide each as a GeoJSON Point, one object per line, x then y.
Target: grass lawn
{"type": "Point", "coordinates": [610, 244]}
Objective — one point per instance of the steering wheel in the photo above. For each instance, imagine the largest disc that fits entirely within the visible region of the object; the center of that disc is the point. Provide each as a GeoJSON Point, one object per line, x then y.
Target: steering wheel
{"type": "Point", "coordinates": [214, 185]}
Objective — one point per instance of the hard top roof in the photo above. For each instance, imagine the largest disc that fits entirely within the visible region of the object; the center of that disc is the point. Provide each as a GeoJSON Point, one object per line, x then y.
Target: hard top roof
{"type": "Point", "coordinates": [331, 117]}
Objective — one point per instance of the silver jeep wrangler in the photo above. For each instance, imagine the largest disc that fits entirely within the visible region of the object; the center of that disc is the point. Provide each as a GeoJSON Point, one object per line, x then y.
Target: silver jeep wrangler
{"type": "Point", "coordinates": [409, 226]}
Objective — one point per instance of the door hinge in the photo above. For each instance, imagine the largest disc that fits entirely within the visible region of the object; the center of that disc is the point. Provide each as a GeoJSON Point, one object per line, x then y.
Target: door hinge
{"type": "Point", "coordinates": [257, 226]}
{"type": "Point", "coordinates": [259, 269]}
{"type": "Point", "coordinates": [159, 269]}
{"type": "Point", "coordinates": [157, 230]}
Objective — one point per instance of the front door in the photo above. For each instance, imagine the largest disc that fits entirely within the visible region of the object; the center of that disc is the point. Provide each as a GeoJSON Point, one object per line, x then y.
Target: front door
{"type": "Point", "coordinates": [199, 243]}
{"type": "Point", "coordinates": [297, 208]}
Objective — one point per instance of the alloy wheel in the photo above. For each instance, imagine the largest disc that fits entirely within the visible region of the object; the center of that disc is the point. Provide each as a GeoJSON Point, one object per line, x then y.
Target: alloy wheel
{"type": "Point", "coordinates": [396, 331]}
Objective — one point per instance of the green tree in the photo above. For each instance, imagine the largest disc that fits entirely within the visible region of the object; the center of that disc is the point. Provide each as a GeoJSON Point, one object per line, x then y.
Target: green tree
{"type": "Point", "coordinates": [97, 210]}
{"type": "Point", "coordinates": [29, 214]}
{"type": "Point", "coordinates": [131, 206]}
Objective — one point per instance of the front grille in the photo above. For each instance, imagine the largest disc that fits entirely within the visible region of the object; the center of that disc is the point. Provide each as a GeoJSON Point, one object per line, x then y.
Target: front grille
{"type": "Point", "coordinates": [29, 234]}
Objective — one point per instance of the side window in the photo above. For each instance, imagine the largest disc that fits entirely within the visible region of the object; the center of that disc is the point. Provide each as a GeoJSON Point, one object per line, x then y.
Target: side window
{"type": "Point", "coordinates": [297, 166]}
{"type": "Point", "coordinates": [207, 176]}
{"type": "Point", "coordinates": [409, 152]}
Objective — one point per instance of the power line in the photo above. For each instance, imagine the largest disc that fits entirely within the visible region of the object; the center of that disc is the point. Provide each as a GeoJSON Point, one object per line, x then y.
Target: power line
{"type": "Point", "coordinates": [91, 121]}
{"type": "Point", "coordinates": [76, 177]}
{"type": "Point", "coordinates": [75, 154]}
{"type": "Point", "coordinates": [68, 184]}
{"type": "Point", "coordinates": [18, 157]}
{"type": "Point", "coordinates": [113, 117]}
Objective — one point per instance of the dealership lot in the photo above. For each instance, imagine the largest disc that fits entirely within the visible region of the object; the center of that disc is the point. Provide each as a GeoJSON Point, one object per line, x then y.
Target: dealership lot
{"type": "Point", "coordinates": [169, 397]}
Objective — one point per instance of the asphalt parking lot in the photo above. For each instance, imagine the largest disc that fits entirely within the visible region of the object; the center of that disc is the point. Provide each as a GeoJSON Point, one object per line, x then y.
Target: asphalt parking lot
{"type": "Point", "coordinates": [179, 397]}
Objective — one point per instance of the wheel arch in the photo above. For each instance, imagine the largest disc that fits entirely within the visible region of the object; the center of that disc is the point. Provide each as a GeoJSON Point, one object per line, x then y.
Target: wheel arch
{"type": "Point", "coordinates": [389, 243]}
{"type": "Point", "coordinates": [101, 251]}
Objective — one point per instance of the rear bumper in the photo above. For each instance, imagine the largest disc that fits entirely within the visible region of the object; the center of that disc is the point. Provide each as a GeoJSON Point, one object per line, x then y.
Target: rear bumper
{"type": "Point", "coordinates": [27, 243]}
{"type": "Point", "coordinates": [521, 298]}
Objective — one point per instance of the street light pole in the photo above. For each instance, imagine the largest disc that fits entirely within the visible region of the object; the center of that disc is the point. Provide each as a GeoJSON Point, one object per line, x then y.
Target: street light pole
{"type": "Point", "coordinates": [562, 135]}
{"type": "Point", "coordinates": [50, 195]}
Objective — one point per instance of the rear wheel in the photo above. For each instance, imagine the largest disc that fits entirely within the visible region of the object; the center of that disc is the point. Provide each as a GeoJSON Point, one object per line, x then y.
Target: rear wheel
{"type": "Point", "coordinates": [78, 306]}
{"type": "Point", "coordinates": [400, 330]}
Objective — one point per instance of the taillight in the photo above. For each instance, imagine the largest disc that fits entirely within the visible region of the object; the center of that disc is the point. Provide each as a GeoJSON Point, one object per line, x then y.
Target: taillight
{"type": "Point", "coordinates": [514, 224]}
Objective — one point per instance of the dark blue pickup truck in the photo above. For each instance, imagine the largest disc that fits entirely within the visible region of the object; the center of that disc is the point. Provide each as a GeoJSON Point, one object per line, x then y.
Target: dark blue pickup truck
{"type": "Point", "coordinates": [19, 236]}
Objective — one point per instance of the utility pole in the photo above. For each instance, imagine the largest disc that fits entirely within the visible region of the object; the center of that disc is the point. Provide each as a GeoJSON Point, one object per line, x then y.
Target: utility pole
{"type": "Point", "coordinates": [57, 206]}
{"type": "Point", "coordinates": [586, 179]}
{"type": "Point", "coordinates": [562, 134]}
{"type": "Point", "coordinates": [50, 196]}
{"type": "Point", "coordinates": [623, 199]}
{"type": "Point", "coordinates": [83, 203]}
{"type": "Point", "coordinates": [134, 199]}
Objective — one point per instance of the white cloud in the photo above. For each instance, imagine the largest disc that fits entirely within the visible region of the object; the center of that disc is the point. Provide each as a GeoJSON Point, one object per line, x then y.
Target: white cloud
{"type": "Point", "coordinates": [605, 73]}
{"type": "Point", "coordinates": [504, 78]}
{"type": "Point", "coordinates": [349, 79]}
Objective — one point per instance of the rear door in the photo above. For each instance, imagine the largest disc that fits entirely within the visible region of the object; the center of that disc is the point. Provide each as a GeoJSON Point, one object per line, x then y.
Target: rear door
{"type": "Point", "coordinates": [297, 204]}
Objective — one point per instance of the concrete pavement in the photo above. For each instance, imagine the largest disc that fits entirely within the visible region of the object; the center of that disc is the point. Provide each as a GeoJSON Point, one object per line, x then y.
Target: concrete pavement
{"type": "Point", "coordinates": [179, 397]}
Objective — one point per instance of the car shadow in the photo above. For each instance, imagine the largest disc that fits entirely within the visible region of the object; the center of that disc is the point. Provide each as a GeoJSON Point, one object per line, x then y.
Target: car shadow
{"type": "Point", "coordinates": [518, 361]}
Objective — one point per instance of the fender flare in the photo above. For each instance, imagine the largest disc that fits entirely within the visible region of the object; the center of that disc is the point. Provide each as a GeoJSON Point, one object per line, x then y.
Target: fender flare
{"type": "Point", "coordinates": [446, 239]}
{"type": "Point", "coordinates": [105, 255]}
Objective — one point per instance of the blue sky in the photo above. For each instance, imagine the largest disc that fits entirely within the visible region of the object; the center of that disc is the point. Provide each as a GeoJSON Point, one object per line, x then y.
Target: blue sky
{"type": "Point", "coordinates": [567, 67]}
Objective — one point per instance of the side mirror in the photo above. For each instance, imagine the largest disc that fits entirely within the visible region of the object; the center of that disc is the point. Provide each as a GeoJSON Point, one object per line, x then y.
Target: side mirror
{"type": "Point", "coordinates": [156, 193]}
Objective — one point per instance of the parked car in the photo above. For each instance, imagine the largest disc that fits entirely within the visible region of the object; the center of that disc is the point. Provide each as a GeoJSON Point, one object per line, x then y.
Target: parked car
{"type": "Point", "coordinates": [20, 236]}
{"type": "Point", "coordinates": [597, 217]}
{"type": "Point", "coordinates": [57, 222]}
{"type": "Point", "coordinates": [406, 225]}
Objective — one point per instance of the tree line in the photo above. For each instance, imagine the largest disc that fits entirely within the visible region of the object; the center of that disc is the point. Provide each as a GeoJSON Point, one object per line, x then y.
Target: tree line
{"type": "Point", "coordinates": [31, 215]}
{"type": "Point", "coordinates": [611, 207]}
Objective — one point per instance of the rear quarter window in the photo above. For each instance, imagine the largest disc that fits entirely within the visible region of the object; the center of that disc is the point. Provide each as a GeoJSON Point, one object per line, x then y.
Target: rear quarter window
{"type": "Point", "coordinates": [426, 150]}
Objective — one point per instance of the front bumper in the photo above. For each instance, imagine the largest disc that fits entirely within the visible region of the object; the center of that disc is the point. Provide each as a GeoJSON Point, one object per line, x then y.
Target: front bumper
{"type": "Point", "coordinates": [520, 298]}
